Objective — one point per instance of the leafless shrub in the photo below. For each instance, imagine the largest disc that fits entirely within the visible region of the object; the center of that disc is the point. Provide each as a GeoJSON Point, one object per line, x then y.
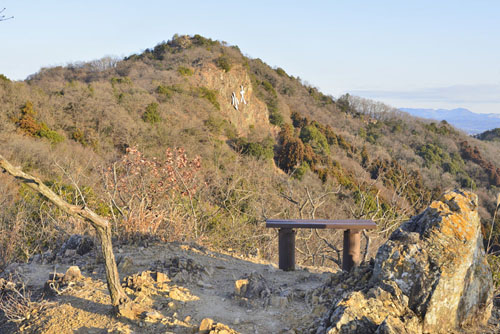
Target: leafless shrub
{"type": "Point", "coordinates": [17, 304]}
{"type": "Point", "coordinates": [154, 196]}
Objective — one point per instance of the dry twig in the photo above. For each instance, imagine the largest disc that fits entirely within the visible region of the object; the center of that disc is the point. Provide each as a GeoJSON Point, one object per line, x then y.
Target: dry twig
{"type": "Point", "coordinates": [17, 305]}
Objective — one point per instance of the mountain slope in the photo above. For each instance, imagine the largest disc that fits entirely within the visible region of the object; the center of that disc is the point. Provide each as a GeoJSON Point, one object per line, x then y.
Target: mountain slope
{"type": "Point", "coordinates": [290, 152]}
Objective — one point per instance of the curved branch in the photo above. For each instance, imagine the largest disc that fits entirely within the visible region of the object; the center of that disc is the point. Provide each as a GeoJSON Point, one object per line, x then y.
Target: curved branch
{"type": "Point", "coordinates": [101, 225]}
{"type": "Point", "coordinates": [37, 185]}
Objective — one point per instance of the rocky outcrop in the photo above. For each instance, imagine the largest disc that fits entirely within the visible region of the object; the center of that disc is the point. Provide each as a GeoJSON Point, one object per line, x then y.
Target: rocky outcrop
{"type": "Point", "coordinates": [431, 276]}
{"type": "Point", "coordinates": [253, 114]}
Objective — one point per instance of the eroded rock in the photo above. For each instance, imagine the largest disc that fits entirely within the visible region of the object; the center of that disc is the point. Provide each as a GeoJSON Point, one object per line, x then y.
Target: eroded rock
{"type": "Point", "coordinates": [252, 286]}
{"type": "Point", "coordinates": [76, 244]}
{"type": "Point", "coordinates": [182, 270]}
{"type": "Point", "coordinates": [208, 326]}
{"type": "Point", "coordinates": [429, 277]}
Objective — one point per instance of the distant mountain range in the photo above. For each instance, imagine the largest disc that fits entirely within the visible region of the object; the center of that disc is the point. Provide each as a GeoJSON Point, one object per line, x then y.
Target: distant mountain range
{"type": "Point", "coordinates": [461, 118]}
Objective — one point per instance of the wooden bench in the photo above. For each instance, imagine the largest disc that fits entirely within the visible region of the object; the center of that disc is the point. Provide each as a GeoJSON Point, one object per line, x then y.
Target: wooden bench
{"type": "Point", "coordinates": [352, 238]}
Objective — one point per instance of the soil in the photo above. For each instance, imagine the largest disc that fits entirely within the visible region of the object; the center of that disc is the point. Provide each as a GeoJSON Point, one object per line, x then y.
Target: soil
{"type": "Point", "coordinates": [178, 286]}
{"type": "Point", "coordinates": [200, 284]}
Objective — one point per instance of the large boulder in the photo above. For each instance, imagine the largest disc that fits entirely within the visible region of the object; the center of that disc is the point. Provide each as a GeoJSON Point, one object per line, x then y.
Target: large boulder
{"type": "Point", "coordinates": [431, 276]}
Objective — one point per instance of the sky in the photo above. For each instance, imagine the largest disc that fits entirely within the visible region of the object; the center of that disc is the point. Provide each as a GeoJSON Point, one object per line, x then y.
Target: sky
{"type": "Point", "coordinates": [415, 54]}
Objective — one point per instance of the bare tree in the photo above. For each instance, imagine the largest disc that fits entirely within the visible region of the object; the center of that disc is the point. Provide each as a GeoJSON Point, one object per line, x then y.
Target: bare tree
{"type": "Point", "coordinates": [101, 225]}
{"type": "Point", "coordinates": [308, 246]}
{"type": "Point", "coordinates": [3, 17]}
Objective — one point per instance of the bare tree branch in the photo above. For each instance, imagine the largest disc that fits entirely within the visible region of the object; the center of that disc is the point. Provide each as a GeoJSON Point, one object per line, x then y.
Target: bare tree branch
{"type": "Point", "coordinates": [101, 225]}
{"type": "Point", "coordinates": [3, 17]}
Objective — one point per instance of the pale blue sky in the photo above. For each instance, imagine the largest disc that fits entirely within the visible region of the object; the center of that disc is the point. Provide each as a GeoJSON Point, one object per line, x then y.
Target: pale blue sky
{"type": "Point", "coordinates": [433, 54]}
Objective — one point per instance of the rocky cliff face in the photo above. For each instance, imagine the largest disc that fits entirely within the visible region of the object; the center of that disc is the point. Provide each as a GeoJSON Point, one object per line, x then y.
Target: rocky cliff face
{"type": "Point", "coordinates": [253, 113]}
{"type": "Point", "coordinates": [429, 277]}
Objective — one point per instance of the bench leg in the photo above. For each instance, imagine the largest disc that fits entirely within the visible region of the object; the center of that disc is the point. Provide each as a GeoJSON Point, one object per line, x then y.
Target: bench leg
{"type": "Point", "coordinates": [351, 254]}
{"type": "Point", "coordinates": [286, 247]}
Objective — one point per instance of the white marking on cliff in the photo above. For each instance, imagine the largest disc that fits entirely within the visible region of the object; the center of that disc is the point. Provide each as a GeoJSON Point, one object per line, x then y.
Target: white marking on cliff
{"type": "Point", "coordinates": [242, 93]}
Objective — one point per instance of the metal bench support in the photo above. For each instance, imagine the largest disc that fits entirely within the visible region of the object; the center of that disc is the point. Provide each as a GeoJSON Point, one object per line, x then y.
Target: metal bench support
{"type": "Point", "coordinates": [352, 238]}
{"type": "Point", "coordinates": [286, 247]}
{"type": "Point", "coordinates": [351, 256]}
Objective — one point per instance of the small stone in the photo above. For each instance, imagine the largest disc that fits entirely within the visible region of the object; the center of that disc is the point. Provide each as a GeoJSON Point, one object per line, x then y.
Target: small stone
{"type": "Point", "coordinates": [205, 285]}
{"type": "Point", "coordinates": [187, 319]}
{"type": "Point", "coordinates": [161, 277]}
{"type": "Point", "coordinates": [153, 316]}
{"type": "Point", "coordinates": [72, 274]}
{"type": "Point", "coordinates": [172, 306]}
{"type": "Point", "coordinates": [240, 287]}
{"type": "Point", "coordinates": [209, 271]}
{"type": "Point", "coordinates": [278, 301]}
{"type": "Point", "coordinates": [314, 300]}
{"type": "Point", "coordinates": [179, 295]}
{"type": "Point", "coordinates": [206, 325]}
{"type": "Point", "coordinates": [125, 265]}
{"type": "Point", "coordinates": [69, 252]}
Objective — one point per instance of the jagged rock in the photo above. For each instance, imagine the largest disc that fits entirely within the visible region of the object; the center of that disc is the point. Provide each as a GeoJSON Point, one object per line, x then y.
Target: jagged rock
{"type": "Point", "coordinates": [182, 294]}
{"type": "Point", "coordinates": [253, 286]}
{"type": "Point", "coordinates": [85, 246]}
{"type": "Point", "coordinates": [431, 276]}
{"type": "Point", "coordinates": [143, 279]}
{"type": "Point", "coordinates": [48, 257]}
{"type": "Point", "coordinates": [182, 270]}
{"type": "Point", "coordinates": [240, 287]}
{"type": "Point", "coordinates": [208, 326]}
{"type": "Point", "coordinates": [152, 316]}
{"type": "Point", "coordinates": [253, 113]}
{"type": "Point", "coordinates": [393, 325]}
{"type": "Point", "coordinates": [78, 244]}
{"type": "Point", "coordinates": [131, 310]}
{"type": "Point", "coordinates": [160, 277]}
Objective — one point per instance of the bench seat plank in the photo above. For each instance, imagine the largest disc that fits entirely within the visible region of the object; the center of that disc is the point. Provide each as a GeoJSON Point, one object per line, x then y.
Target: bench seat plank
{"type": "Point", "coordinates": [345, 224]}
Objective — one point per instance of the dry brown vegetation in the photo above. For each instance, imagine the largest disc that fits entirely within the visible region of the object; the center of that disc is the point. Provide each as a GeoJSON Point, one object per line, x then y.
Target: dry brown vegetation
{"type": "Point", "coordinates": [321, 157]}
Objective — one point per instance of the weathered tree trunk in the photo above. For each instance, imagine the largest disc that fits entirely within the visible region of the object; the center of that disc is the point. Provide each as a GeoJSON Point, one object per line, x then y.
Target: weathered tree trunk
{"type": "Point", "coordinates": [118, 296]}
{"type": "Point", "coordinates": [101, 225]}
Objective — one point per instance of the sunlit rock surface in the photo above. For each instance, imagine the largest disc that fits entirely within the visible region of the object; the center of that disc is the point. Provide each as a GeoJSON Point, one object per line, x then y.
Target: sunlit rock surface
{"type": "Point", "coordinates": [429, 277]}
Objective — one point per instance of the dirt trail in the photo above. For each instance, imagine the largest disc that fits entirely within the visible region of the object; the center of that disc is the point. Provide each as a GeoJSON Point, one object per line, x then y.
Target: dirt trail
{"type": "Point", "coordinates": [197, 284]}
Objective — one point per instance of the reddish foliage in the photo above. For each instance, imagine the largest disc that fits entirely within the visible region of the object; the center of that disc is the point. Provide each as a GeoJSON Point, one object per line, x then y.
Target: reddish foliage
{"type": "Point", "coordinates": [148, 192]}
{"type": "Point", "coordinates": [473, 154]}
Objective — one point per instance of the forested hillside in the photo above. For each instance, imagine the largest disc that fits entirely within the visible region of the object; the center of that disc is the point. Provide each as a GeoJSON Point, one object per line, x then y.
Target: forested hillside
{"type": "Point", "coordinates": [490, 135]}
{"type": "Point", "coordinates": [156, 143]}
